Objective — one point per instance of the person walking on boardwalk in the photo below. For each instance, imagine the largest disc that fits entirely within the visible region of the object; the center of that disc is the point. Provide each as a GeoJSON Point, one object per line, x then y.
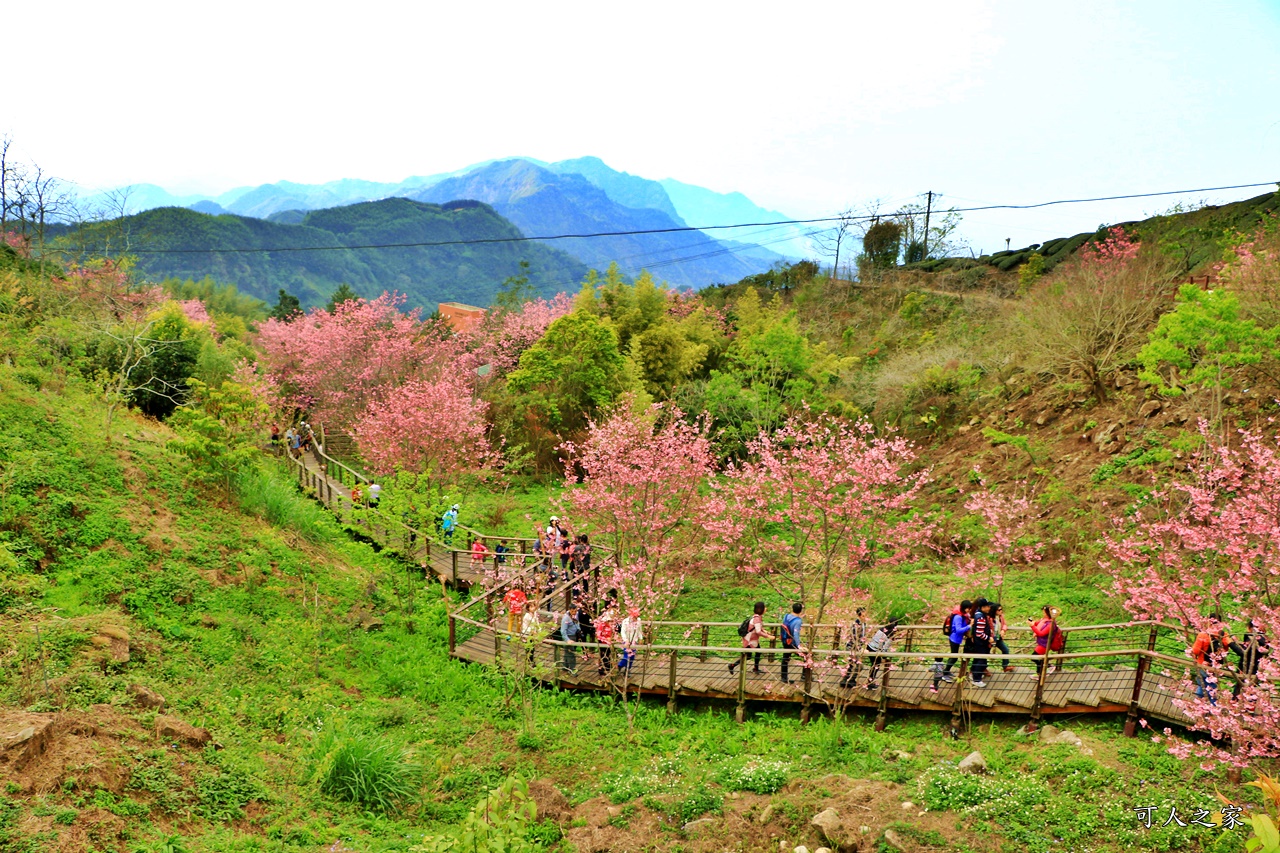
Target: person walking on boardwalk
{"type": "Point", "coordinates": [479, 552]}
{"type": "Point", "coordinates": [978, 642]}
{"type": "Point", "coordinates": [1047, 637]}
{"type": "Point", "coordinates": [1251, 649]}
{"type": "Point", "coordinates": [1206, 651]}
{"type": "Point", "coordinates": [582, 561]}
{"type": "Point", "coordinates": [791, 626]}
{"type": "Point", "coordinates": [569, 633]}
{"type": "Point", "coordinates": [606, 627]}
{"type": "Point", "coordinates": [632, 632]}
{"type": "Point", "coordinates": [998, 629]}
{"type": "Point", "coordinates": [449, 523]}
{"type": "Point", "coordinates": [879, 644]}
{"type": "Point", "coordinates": [515, 599]}
{"type": "Point", "coordinates": [755, 632]}
{"type": "Point", "coordinates": [956, 627]}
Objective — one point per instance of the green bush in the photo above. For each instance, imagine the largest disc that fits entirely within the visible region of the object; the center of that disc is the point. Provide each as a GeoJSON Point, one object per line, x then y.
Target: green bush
{"type": "Point", "coordinates": [760, 777]}
{"type": "Point", "coordinates": [362, 769]}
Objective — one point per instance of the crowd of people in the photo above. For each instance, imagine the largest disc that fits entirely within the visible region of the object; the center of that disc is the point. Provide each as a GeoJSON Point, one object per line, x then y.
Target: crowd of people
{"type": "Point", "coordinates": [975, 627]}
{"type": "Point", "coordinates": [1210, 650]}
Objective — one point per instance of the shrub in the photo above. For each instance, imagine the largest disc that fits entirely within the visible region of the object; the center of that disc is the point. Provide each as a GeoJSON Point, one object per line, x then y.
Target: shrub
{"type": "Point", "coordinates": [1093, 314]}
{"type": "Point", "coordinates": [362, 769]}
{"type": "Point", "coordinates": [759, 777]}
{"type": "Point", "coordinates": [276, 501]}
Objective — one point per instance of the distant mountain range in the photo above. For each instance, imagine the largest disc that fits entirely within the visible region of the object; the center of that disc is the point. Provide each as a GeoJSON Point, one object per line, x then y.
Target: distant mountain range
{"type": "Point", "coordinates": [583, 195]}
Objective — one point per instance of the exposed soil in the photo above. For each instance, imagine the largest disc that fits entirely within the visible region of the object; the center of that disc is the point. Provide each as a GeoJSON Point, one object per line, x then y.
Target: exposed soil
{"type": "Point", "coordinates": [866, 809]}
{"type": "Point", "coordinates": [77, 752]}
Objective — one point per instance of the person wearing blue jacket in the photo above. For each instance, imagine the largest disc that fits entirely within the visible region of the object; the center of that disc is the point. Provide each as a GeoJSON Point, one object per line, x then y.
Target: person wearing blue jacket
{"type": "Point", "coordinates": [791, 626]}
{"type": "Point", "coordinates": [961, 621]}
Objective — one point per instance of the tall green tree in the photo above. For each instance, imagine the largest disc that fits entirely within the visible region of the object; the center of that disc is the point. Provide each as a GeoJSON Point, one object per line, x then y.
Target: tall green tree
{"type": "Point", "coordinates": [1199, 345]}
{"type": "Point", "coordinates": [566, 379]}
{"type": "Point", "coordinates": [286, 308]}
{"type": "Point", "coordinates": [516, 290]}
{"type": "Point", "coordinates": [342, 294]}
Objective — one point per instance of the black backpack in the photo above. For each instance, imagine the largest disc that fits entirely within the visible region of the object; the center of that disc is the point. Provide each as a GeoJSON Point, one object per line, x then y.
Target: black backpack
{"type": "Point", "coordinates": [745, 627]}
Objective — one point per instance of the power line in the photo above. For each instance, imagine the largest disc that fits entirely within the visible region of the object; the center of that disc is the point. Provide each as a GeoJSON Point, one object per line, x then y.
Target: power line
{"type": "Point", "coordinates": [678, 229]}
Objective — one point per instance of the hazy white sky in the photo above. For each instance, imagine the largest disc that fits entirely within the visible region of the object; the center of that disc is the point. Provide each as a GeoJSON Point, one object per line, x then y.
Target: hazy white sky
{"type": "Point", "coordinates": [805, 107]}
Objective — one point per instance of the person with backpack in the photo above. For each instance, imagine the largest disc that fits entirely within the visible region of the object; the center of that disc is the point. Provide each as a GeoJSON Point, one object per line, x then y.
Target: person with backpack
{"type": "Point", "coordinates": [752, 631]}
{"type": "Point", "coordinates": [879, 643]}
{"type": "Point", "coordinates": [1048, 637]}
{"type": "Point", "coordinates": [956, 626]}
{"type": "Point", "coordinates": [449, 523]}
{"type": "Point", "coordinates": [791, 625]}
{"type": "Point", "coordinates": [569, 633]}
{"type": "Point", "coordinates": [1207, 651]}
{"type": "Point", "coordinates": [978, 642]}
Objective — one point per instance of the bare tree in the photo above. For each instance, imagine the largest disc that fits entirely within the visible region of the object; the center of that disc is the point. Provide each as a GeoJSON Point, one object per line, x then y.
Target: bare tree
{"type": "Point", "coordinates": [831, 240]}
{"type": "Point", "coordinates": [1094, 313]}
{"type": "Point", "coordinates": [939, 241]}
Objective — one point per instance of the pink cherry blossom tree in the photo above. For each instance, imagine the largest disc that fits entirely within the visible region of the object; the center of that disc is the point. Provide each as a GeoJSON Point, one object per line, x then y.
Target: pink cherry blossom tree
{"type": "Point", "coordinates": [336, 363]}
{"type": "Point", "coordinates": [436, 428]}
{"type": "Point", "coordinates": [646, 493]}
{"type": "Point", "coordinates": [500, 338]}
{"type": "Point", "coordinates": [822, 500]}
{"type": "Point", "coordinates": [1007, 516]}
{"type": "Point", "coordinates": [1205, 554]}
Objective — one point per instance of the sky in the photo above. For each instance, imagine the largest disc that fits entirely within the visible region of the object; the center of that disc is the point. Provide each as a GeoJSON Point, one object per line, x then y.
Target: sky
{"type": "Point", "coordinates": [808, 108]}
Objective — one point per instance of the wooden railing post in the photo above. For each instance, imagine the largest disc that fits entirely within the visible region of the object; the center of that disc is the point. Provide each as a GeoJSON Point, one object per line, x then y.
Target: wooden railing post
{"type": "Point", "coordinates": [741, 714]}
{"type": "Point", "coordinates": [957, 706]}
{"type": "Point", "coordinates": [910, 635]}
{"type": "Point", "coordinates": [706, 635]}
{"type": "Point", "coordinates": [882, 708]}
{"type": "Point", "coordinates": [806, 701]}
{"type": "Point", "coordinates": [671, 684]}
{"type": "Point", "coordinates": [1144, 663]}
{"type": "Point", "coordinates": [453, 635]}
{"type": "Point", "coordinates": [1034, 723]}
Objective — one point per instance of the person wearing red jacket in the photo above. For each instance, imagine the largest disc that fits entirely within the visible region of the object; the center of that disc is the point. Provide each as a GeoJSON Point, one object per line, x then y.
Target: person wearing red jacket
{"type": "Point", "coordinates": [1047, 636]}
{"type": "Point", "coordinates": [1205, 652]}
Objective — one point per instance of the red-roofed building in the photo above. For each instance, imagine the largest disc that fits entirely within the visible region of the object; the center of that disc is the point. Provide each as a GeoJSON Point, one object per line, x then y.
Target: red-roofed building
{"type": "Point", "coordinates": [461, 317]}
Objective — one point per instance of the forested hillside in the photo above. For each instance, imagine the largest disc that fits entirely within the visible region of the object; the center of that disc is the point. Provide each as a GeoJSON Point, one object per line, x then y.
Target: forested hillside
{"type": "Point", "coordinates": [178, 243]}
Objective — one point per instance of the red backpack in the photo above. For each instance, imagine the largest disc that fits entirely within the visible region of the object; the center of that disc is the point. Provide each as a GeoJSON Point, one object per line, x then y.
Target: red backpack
{"type": "Point", "coordinates": [946, 626]}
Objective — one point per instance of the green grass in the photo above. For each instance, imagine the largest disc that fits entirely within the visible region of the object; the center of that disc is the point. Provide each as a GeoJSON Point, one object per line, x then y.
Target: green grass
{"type": "Point", "coordinates": [246, 624]}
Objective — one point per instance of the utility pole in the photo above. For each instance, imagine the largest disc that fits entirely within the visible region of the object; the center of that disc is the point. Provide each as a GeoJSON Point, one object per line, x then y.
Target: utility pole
{"type": "Point", "coordinates": [928, 208]}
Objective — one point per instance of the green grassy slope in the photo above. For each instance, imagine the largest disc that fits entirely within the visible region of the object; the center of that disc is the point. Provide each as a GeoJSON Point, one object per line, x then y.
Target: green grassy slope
{"type": "Point", "coordinates": [252, 624]}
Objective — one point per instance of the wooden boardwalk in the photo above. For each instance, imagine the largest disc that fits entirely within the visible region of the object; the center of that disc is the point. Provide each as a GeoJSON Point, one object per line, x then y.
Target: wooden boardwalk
{"type": "Point", "coordinates": [1075, 687]}
{"type": "Point", "coordinates": [1115, 670]}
